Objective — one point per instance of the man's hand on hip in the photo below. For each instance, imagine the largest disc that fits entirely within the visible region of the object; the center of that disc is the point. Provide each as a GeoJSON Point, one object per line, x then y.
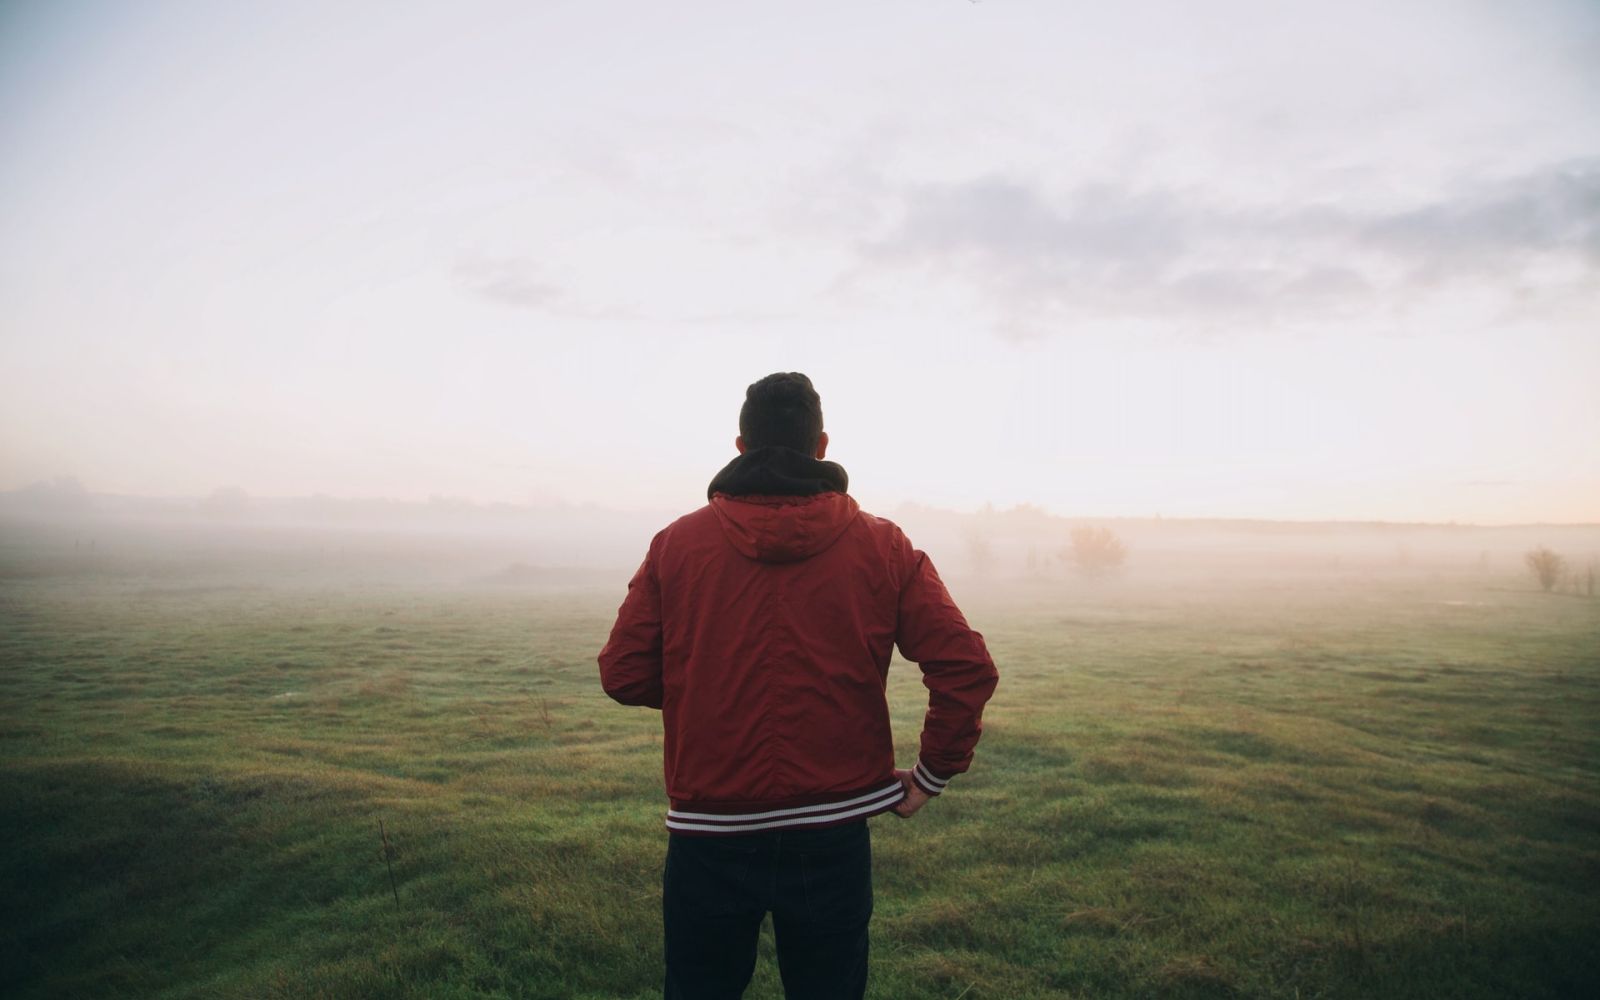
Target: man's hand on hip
{"type": "Point", "coordinates": [915, 798]}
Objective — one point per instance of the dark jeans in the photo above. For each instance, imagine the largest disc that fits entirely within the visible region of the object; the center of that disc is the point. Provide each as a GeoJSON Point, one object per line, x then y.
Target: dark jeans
{"type": "Point", "coordinates": [816, 883]}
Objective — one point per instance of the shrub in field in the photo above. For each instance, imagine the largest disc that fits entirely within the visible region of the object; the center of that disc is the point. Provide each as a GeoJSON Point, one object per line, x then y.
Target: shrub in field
{"type": "Point", "coordinates": [1546, 567]}
{"type": "Point", "coordinates": [1095, 551]}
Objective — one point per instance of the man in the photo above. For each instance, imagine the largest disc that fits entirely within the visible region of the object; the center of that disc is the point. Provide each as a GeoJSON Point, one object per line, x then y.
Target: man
{"type": "Point", "coordinates": [761, 625]}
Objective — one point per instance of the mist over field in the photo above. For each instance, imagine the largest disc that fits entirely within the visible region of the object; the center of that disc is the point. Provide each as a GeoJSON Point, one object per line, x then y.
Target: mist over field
{"type": "Point", "coordinates": [60, 530]}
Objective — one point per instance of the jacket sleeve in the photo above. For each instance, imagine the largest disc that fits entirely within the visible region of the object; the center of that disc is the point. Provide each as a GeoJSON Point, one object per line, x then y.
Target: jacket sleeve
{"type": "Point", "coordinates": [630, 663]}
{"type": "Point", "coordinates": [956, 669]}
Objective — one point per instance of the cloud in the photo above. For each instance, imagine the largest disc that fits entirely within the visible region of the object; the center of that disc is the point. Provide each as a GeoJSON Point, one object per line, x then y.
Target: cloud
{"type": "Point", "coordinates": [1553, 211]}
{"type": "Point", "coordinates": [508, 283]}
{"type": "Point", "coordinates": [518, 284]}
{"type": "Point", "coordinates": [1110, 251]}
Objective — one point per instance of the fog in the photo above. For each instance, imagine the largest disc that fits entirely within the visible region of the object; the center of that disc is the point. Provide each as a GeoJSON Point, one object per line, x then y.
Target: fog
{"type": "Point", "coordinates": [63, 535]}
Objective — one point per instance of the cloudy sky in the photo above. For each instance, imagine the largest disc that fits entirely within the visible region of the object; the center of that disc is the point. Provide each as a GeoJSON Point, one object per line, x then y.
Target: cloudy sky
{"type": "Point", "coordinates": [1243, 259]}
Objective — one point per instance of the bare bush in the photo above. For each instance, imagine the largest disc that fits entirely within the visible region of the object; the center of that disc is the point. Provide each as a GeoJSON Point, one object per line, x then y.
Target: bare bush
{"type": "Point", "coordinates": [1095, 551]}
{"type": "Point", "coordinates": [1546, 566]}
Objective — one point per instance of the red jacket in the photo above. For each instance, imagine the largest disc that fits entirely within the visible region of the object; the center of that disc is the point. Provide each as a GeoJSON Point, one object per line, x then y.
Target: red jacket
{"type": "Point", "coordinates": [762, 626]}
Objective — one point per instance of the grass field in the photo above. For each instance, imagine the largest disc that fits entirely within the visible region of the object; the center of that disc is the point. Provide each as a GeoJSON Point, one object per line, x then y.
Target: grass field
{"type": "Point", "coordinates": [1339, 789]}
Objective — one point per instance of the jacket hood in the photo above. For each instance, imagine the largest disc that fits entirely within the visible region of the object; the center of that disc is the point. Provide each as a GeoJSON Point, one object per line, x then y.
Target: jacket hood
{"type": "Point", "coordinates": [779, 505]}
{"type": "Point", "coordinates": [773, 470]}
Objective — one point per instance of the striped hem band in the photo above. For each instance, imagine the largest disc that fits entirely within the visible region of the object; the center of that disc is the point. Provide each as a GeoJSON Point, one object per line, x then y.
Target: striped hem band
{"type": "Point", "coordinates": [823, 814]}
{"type": "Point", "coordinates": [926, 781]}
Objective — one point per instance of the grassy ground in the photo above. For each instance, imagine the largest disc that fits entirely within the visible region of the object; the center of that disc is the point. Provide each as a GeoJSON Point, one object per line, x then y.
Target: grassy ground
{"type": "Point", "coordinates": [1335, 790]}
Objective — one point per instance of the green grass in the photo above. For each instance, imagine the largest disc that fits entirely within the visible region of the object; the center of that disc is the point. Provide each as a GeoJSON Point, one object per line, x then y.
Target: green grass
{"type": "Point", "coordinates": [1340, 790]}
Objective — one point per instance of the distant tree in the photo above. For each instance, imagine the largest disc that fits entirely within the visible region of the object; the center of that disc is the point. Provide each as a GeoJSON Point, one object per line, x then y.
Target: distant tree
{"type": "Point", "coordinates": [226, 500]}
{"type": "Point", "coordinates": [1095, 551]}
{"type": "Point", "coordinates": [1546, 567]}
{"type": "Point", "coordinates": [980, 552]}
{"type": "Point", "coordinates": [61, 495]}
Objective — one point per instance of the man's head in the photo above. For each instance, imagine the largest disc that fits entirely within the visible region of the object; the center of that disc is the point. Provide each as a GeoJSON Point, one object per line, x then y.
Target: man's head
{"type": "Point", "coordinates": [782, 409]}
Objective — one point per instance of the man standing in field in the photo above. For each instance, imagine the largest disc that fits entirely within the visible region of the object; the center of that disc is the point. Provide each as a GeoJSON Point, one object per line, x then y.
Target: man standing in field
{"type": "Point", "coordinates": [762, 625]}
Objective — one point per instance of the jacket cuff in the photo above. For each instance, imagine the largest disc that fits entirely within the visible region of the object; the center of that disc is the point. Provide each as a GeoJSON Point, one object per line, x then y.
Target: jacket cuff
{"type": "Point", "coordinates": [927, 781]}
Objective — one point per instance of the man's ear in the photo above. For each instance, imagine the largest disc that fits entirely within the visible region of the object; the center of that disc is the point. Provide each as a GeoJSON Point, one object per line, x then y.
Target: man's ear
{"type": "Point", "coordinates": [738, 442]}
{"type": "Point", "coordinates": [822, 444]}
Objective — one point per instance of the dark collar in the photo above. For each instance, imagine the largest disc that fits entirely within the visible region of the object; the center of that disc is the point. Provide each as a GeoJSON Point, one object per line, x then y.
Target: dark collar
{"type": "Point", "coordinates": [773, 470]}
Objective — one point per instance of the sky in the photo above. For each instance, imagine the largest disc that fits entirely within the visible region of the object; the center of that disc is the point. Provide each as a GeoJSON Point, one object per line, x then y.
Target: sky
{"type": "Point", "coordinates": [1236, 259]}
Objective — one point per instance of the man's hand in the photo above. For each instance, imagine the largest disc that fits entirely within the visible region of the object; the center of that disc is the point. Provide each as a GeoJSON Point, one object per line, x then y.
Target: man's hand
{"type": "Point", "coordinates": [915, 798]}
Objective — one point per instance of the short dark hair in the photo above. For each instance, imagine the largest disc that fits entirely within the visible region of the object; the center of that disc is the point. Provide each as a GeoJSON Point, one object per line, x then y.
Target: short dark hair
{"type": "Point", "coordinates": [782, 409]}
